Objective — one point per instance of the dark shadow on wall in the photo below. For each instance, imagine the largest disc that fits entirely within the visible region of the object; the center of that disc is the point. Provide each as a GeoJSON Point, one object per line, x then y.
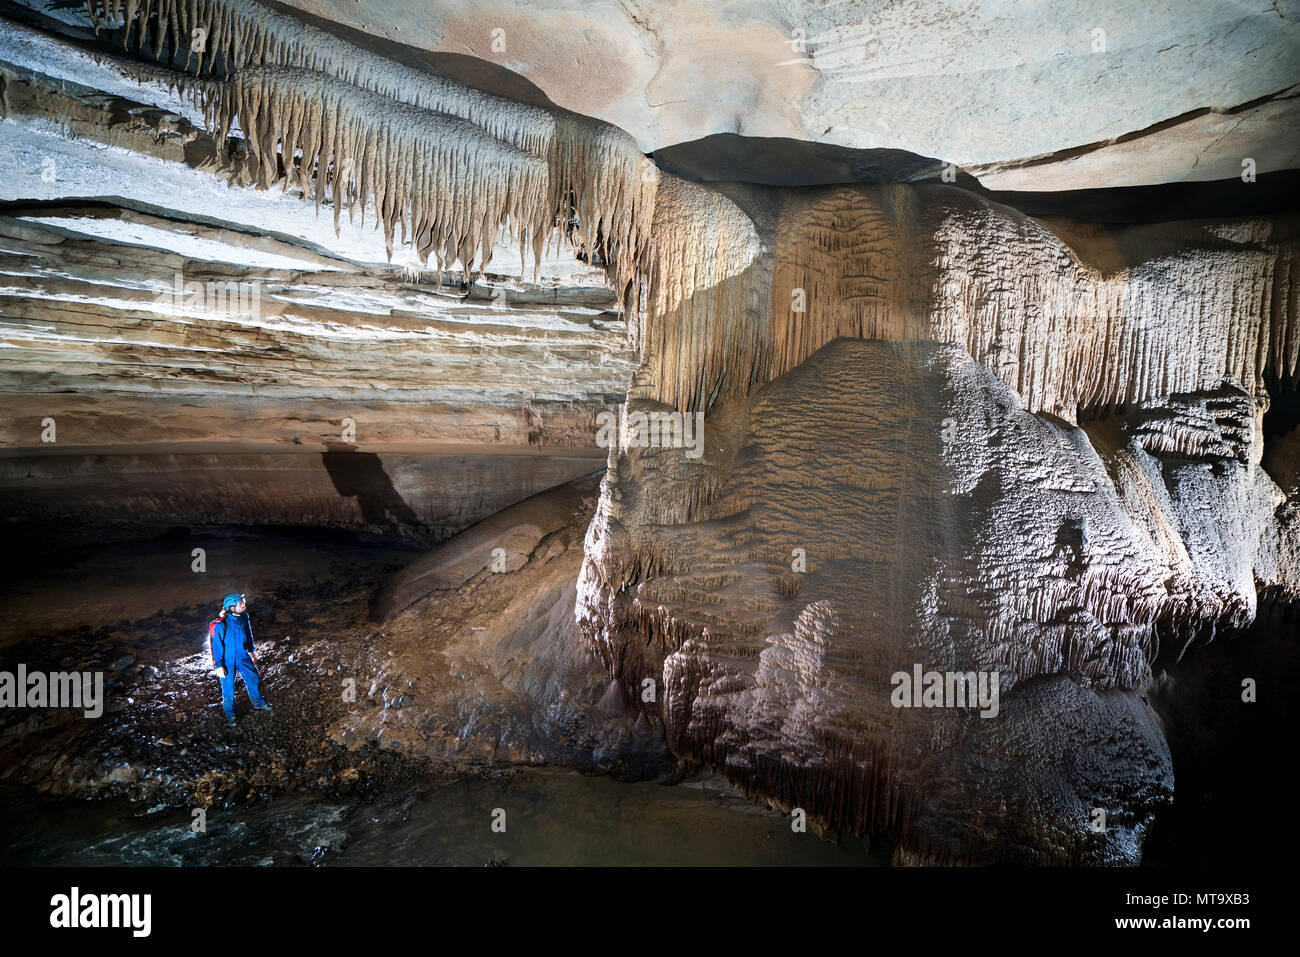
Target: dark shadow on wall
{"type": "Point", "coordinates": [1283, 413]}
{"type": "Point", "coordinates": [361, 474]}
{"type": "Point", "coordinates": [779, 161]}
{"type": "Point", "coordinates": [1230, 755]}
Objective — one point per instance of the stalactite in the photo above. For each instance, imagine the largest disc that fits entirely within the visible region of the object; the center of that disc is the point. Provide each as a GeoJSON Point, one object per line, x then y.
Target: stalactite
{"type": "Point", "coordinates": [708, 281]}
{"type": "Point", "coordinates": [445, 182]}
{"type": "Point", "coordinates": [1068, 337]}
{"type": "Point", "coordinates": [739, 295]}
{"type": "Point", "coordinates": [596, 170]}
{"type": "Point", "coordinates": [894, 262]}
{"type": "Point", "coordinates": [734, 306]}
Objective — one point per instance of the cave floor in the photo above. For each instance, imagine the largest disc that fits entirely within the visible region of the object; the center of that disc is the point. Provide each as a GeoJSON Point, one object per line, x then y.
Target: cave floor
{"type": "Point", "coordinates": [275, 790]}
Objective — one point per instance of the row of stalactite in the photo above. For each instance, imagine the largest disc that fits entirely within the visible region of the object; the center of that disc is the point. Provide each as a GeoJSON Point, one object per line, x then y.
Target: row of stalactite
{"type": "Point", "coordinates": [447, 163]}
{"type": "Point", "coordinates": [725, 307]}
{"type": "Point", "coordinates": [843, 262]}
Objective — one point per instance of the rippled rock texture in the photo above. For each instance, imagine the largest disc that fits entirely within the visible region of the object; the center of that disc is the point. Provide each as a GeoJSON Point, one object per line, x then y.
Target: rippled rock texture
{"type": "Point", "coordinates": [936, 524]}
{"type": "Point", "coordinates": [1077, 484]}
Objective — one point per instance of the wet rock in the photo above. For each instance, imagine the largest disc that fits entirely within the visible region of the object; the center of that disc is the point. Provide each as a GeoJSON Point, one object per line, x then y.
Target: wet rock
{"type": "Point", "coordinates": [124, 774]}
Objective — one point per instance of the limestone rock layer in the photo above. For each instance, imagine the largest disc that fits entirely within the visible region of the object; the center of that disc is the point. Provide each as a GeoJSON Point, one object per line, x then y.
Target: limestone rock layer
{"type": "Point", "coordinates": [595, 171]}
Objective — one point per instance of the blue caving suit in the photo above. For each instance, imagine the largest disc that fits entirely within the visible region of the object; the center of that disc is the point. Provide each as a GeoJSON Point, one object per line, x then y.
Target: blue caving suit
{"type": "Point", "coordinates": [232, 643]}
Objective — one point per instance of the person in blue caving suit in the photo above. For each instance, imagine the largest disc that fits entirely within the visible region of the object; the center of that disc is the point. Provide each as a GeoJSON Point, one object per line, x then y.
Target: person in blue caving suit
{"type": "Point", "coordinates": [232, 651]}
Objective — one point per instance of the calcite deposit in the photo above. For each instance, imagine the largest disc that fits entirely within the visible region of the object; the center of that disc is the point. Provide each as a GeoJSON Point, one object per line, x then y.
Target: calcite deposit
{"type": "Point", "coordinates": [967, 482]}
{"type": "Point", "coordinates": [885, 505]}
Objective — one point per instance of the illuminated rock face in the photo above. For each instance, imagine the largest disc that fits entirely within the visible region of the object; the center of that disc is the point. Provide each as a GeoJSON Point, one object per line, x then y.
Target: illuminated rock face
{"type": "Point", "coordinates": [1072, 316]}
{"type": "Point", "coordinates": [1072, 480]}
{"type": "Point", "coordinates": [214, 355]}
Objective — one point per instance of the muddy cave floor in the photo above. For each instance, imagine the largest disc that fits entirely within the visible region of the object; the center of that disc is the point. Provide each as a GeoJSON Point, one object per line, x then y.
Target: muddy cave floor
{"type": "Point", "coordinates": [276, 790]}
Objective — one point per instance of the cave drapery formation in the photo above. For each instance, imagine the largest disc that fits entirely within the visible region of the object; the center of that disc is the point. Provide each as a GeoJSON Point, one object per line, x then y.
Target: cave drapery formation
{"type": "Point", "coordinates": [1021, 446]}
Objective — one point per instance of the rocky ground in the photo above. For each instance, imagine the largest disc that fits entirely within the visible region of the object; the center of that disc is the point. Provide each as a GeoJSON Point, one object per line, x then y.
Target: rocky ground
{"type": "Point", "coordinates": [484, 675]}
{"type": "Point", "coordinates": [162, 737]}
